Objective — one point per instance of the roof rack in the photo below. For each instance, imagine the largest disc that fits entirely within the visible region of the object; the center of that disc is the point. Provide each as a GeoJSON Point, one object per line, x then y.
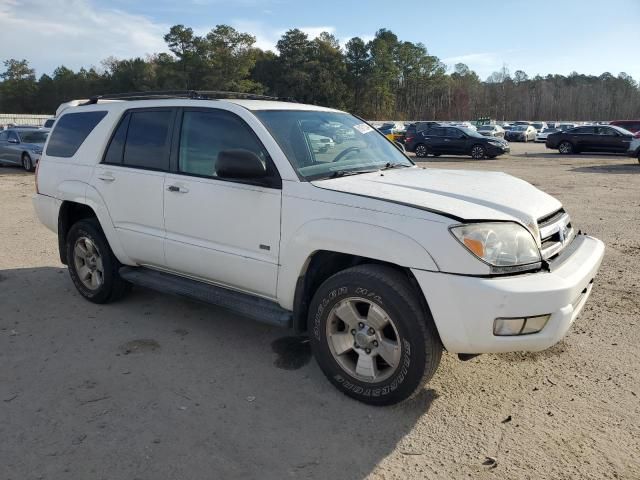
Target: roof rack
{"type": "Point", "coordinates": [191, 94]}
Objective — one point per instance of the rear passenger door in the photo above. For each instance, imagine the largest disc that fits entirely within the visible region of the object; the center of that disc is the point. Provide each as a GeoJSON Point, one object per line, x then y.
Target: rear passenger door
{"type": "Point", "coordinates": [226, 231]}
{"type": "Point", "coordinates": [131, 179]}
{"type": "Point", "coordinates": [434, 139]}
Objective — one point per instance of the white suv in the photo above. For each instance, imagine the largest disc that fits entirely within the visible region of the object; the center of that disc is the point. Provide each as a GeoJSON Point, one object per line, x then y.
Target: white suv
{"type": "Point", "coordinates": [383, 263]}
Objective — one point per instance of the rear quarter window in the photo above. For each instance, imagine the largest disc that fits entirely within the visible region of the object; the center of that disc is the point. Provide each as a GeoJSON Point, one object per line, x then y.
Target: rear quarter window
{"type": "Point", "coordinates": [71, 131]}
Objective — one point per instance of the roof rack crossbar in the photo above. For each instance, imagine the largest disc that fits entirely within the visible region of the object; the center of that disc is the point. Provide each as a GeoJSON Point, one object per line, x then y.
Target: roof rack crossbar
{"type": "Point", "coordinates": [191, 94]}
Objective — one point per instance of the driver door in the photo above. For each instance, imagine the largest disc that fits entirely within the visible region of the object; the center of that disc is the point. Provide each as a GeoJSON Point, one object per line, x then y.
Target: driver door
{"type": "Point", "coordinates": [221, 230]}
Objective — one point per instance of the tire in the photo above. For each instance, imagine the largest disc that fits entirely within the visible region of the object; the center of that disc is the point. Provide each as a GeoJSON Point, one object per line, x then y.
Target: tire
{"type": "Point", "coordinates": [108, 285]}
{"type": "Point", "coordinates": [421, 150]}
{"type": "Point", "coordinates": [565, 147]}
{"type": "Point", "coordinates": [478, 152]}
{"type": "Point", "coordinates": [491, 157]}
{"type": "Point", "coordinates": [27, 163]}
{"type": "Point", "coordinates": [412, 340]}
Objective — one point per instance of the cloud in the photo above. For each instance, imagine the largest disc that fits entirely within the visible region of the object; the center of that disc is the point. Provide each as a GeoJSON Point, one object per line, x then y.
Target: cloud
{"type": "Point", "coordinates": [75, 33]}
{"type": "Point", "coordinates": [267, 37]}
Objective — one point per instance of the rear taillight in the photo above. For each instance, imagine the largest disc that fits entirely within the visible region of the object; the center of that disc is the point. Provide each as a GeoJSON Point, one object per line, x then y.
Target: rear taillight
{"type": "Point", "coordinates": [637, 134]}
{"type": "Point", "coordinates": [36, 177]}
{"type": "Point", "coordinates": [408, 139]}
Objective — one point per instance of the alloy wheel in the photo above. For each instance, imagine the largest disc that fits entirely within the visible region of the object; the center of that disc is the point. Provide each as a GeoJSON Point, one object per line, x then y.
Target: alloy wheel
{"type": "Point", "coordinates": [363, 339]}
{"type": "Point", "coordinates": [88, 263]}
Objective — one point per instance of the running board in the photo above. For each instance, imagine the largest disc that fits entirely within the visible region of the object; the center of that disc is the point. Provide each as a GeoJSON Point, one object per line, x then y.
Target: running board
{"type": "Point", "coordinates": [257, 308]}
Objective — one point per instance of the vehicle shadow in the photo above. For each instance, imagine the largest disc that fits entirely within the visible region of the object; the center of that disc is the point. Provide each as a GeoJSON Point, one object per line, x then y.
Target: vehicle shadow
{"type": "Point", "coordinates": [6, 170]}
{"type": "Point", "coordinates": [451, 159]}
{"type": "Point", "coordinates": [172, 389]}
{"type": "Point", "coordinates": [619, 168]}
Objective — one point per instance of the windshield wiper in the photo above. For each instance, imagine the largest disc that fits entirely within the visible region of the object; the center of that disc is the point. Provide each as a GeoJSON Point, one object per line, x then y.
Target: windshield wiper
{"type": "Point", "coordinates": [345, 173]}
{"type": "Point", "coordinates": [390, 165]}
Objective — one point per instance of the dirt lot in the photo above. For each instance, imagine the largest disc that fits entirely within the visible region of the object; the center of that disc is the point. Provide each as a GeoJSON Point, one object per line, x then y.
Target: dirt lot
{"type": "Point", "coordinates": [157, 387]}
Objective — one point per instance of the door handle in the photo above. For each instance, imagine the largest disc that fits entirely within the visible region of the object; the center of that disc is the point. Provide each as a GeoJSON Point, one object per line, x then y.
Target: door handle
{"type": "Point", "coordinates": [177, 189]}
{"type": "Point", "coordinates": [106, 177]}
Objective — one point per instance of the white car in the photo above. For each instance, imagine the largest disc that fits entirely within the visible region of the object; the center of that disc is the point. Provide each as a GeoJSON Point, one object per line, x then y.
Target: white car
{"type": "Point", "coordinates": [542, 136]}
{"type": "Point", "coordinates": [320, 143]}
{"type": "Point", "coordinates": [382, 263]}
{"type": "Point", "coordinates": [491, 131]}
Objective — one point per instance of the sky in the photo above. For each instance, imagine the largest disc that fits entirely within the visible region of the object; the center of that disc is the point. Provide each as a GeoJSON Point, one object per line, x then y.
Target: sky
{"type": "Point", "coordinates": [539, 37]}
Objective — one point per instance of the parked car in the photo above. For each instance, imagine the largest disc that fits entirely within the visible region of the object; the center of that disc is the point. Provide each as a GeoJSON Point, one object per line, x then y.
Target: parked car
{"type": "Point", "coordinates": [456, 141]}
{"type": "Point", "coordinates": [368, 254]}
{"type": "Point", "coordinates": [491, 131]}
{"type": "Point", "coordinates": [22, 146]}
{"type": "Point", "coordinates": [539, 126]}
{"type": "Point", "coordinates": [631, 125]}
{"type": "Point", "coordinates": [521, 133]}
{"type": "Point", "coordinates": [634, 148]}
{"type": "Point", "coordinates": [591, 139]}
{"type": "Point", "coordinates": [542, 136]}
{"type": "Point", "coordinates": [320, 143]}
{"type": "Point", "coordinates": [521, 122]}
{"type": "Point", "coordinates": [467, 125]}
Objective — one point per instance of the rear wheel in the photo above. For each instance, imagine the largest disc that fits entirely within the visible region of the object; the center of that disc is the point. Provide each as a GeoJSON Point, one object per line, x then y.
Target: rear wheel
{"type": "Point", "coordinates": [371, 336]}
{"type": "Point", "coordinates": [421, 150]}
{"type": "Point", "coordinates": [565, 147]}
{"type": "Point", "coordinates": [478, 152]}
{"type": "Point", "coordinates": [27, 163]}
{"type": "Point", "coordinates": [92, 265]}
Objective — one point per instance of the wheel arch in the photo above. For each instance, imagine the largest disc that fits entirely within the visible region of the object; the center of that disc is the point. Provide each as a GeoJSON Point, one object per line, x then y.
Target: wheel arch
{"type": "Point", "coordinates": [323, 264]}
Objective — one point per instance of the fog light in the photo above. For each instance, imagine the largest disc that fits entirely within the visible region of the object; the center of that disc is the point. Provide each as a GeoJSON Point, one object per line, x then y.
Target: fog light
{"type": "Point", "coordinates": [507, 326]}
{"type": "Point", "coordinates": [534, 324]}
{"type": "Point", "coordinates": [519, 326]}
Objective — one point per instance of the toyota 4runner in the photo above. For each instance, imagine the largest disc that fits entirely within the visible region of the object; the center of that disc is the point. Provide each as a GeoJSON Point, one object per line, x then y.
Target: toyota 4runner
{"type": "Point", "coordinates": [381, 262]}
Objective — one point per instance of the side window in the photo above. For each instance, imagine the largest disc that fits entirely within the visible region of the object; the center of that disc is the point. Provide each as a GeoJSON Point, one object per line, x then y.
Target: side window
{"type": "Point", "coordinates": [71, 130]}
{"type": "Point", "coordinates": [453, 133]}
{"type": "Point", "coordinates": [436, 132]}
{"type": "Point", "coordinates": [115, 150]}
{"type": "Point", "coordinates": [147, 142]}
{"type": "Point", "coordinates": [13, 136]}
{"type": "Point", "coordinates": [4, 136]}
{"type": "Point", "coordinates": [204, 134]}
{"type": "Point", "coordinates": [606, 131]}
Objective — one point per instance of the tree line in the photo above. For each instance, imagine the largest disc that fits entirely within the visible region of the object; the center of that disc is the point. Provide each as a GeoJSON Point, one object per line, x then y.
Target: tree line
{"type": "Point", "coordinates": [385, 78]}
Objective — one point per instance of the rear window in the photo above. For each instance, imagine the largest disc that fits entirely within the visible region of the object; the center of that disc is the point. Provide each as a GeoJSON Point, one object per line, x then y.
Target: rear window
{"type": "Point", "coordinates": [71, 130]}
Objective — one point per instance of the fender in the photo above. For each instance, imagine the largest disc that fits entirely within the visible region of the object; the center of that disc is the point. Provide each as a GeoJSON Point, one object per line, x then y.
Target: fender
{"type": "Point", "coordinates": [349, 237]}
{"type": "Point", "coordinates": [94, 200]}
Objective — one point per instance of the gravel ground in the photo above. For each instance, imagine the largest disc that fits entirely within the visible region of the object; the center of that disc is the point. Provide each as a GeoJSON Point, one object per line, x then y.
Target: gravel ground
{"type": "Point", "coordinates": [157, 387]}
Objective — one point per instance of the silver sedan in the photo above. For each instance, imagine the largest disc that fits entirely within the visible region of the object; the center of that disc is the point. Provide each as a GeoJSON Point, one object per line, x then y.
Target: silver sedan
{"type": "Point", "coordinates": [22, 146]}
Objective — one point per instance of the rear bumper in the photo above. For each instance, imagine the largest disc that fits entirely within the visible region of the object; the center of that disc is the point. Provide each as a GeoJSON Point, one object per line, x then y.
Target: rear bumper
{"type": "Point", "coordinates": [47, 209]}
{"type": "Point", "coordinates": [464, 308]}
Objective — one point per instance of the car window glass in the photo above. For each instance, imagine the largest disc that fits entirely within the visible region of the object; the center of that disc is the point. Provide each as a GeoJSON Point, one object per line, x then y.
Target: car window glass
{"type": "Point", "coordinates": [13, 136]}
{"type": "Point", "coordinates": [606, 131]}
{"type": "Point", "coordinates": [453, 133]}
{"type": "Point", "coordinates": [436, 132]}
{"type": "Point", "coordinates": [204, 134]}
{"type": "Point", "coordinates": [4, 136]}
{"type": "Point", "coordinates": [147, 144]}
{"type": "Point", "coordinates": [116, 146]}
{"type": "Point", "coordinates": [71, 131]}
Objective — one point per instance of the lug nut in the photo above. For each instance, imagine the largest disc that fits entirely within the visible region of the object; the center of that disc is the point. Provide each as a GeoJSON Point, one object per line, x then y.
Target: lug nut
{"type": "Point", "coordinates": [361, 325]}
{"type": "Point", "coordinates": [375, 343]}
{"type": "Point", "coordinates": [353, 332]}
{"type": "Point", "coordinates": [368, 350]}
{"type": "Point", "coordinates": [371, 331]}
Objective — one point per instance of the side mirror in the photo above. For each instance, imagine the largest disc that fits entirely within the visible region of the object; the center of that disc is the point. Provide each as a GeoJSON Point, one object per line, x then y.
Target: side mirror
{"type": "Point", "coordinates": [238, 163]}
{"type": "Point", "coordinates": [13, 140]}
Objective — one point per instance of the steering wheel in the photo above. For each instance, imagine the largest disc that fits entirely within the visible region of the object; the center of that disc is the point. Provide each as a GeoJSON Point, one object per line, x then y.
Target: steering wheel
{"type": "Point", "coordinates": [345, 152]}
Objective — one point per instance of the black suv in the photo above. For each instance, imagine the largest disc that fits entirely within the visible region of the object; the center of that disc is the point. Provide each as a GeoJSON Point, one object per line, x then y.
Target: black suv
{"type": "Point", "coordinates": [591, 138]}
{"type": "Point", "coordinates": [441, 140]}
{"type": "Point", "coordinates": [412, 130]}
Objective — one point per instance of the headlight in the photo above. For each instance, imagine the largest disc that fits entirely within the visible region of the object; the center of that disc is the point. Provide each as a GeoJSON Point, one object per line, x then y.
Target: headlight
{"type": "Point", "coordinates": [506, 246]}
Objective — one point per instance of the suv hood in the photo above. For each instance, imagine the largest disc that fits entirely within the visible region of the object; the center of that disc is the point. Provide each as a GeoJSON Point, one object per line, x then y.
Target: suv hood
{"type": "Point", "coordinates": [462, 194]}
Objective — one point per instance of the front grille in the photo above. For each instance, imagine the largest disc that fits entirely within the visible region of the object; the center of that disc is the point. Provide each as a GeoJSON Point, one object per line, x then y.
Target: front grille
{"type": "Point", "coordinates": [556, 233]}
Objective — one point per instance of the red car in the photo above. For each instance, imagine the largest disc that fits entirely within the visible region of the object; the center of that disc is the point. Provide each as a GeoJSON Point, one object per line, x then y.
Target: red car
{"type": "Point", "coordinates": [632, 125]}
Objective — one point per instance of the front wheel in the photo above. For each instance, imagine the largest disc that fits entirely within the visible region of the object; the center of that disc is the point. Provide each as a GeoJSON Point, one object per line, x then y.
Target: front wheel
{"type": "Point", "coordinates": [27, 163]}
{"type": "Point", "coordinates": [92, 265]}
{"type": "Point", "coordinates": [478, 152]}
{"type": "Point", "coordinates": [371, 335]}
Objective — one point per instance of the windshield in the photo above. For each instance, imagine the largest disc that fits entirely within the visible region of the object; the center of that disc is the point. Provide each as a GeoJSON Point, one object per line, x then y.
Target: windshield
{"type": "Point", "coordinates": [327, 144]}
{"type": "Point", "coordinates": [536, 125]}
{"type": "Point", "coordinates": [520, 128]}
{"type": "Point", "coordinates": [33, 137]}
{"type": "Point", "coordinates": [470, 132]}
{"type": "Point", "coordinates": [486, 127]}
